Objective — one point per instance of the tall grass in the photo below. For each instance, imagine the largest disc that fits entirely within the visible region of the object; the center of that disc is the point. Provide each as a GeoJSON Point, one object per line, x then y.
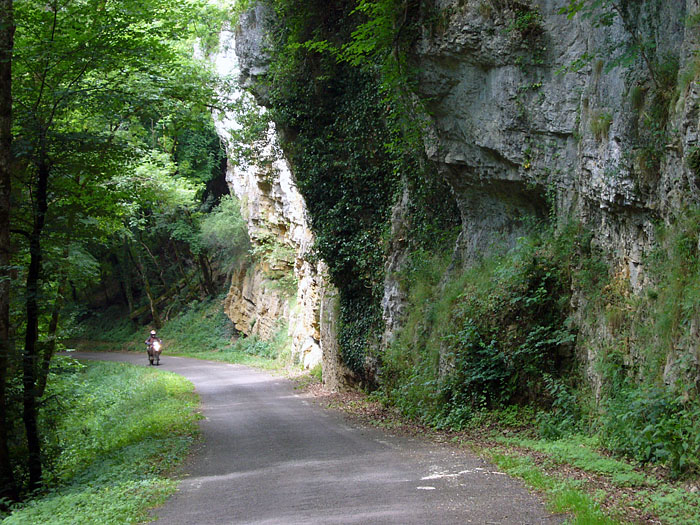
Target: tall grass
{"type": "Point", "coordinates": [651, 495]}
{"type": "Point", "coordinates": [564, 496]}
{"type": "Point", "coordinates": [114, 434]}
{"type": "Point", "coordinates": [200, 327]}
{"type": "Point", "coordinates": [649, 366]}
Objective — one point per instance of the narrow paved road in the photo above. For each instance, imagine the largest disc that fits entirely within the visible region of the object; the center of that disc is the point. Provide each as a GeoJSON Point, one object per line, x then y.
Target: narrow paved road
{"type": "Point", "coordinates": [270, 456]}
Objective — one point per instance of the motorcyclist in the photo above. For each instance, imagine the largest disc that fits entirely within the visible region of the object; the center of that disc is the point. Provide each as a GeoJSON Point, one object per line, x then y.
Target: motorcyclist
{"type": "Point", "coordinates": [149, 344]}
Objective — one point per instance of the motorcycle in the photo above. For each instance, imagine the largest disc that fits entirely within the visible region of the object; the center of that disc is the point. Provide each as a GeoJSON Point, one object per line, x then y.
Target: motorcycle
{"type": "Point", "coordinates": [154, 350]}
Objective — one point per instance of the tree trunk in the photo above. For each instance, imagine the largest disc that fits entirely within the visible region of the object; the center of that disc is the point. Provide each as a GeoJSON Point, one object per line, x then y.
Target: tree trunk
{"type": "Point", "coordinates": [147, 288]}
{"type": "Point", "coordinates": [206, 274]}
{"type": "Point", "coordinates": [50, 348]}
{"type": "Point", "coordinates": [103, 285]}
{"type": "Point", "coordinates": [125, 281]}
{"type": "Point", "coordinates": [207, 283]}
{"type": "Point", "coordinates": [31, 354]}
{"type": "Point", "coordinates": [155, 263]}
{"type": "Point", "coordinates": [8, 487]}
{"type": "Point", "coordinates": [176, 253]}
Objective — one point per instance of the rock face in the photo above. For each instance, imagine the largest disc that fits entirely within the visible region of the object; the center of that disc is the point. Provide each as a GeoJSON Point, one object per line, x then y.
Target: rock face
{"type": "Point", "coordinates": [280, 290]}
{"type": "Point", "coordinates": [516, 123]}
{"type": "Point", "coordinates": [276, 217]}
{"type": "Point", "coordinates": [531, 114]}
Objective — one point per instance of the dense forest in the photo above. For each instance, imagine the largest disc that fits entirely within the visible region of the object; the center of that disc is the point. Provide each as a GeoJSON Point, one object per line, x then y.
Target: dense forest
{"type": "Point", "coordinates": [110, 166]}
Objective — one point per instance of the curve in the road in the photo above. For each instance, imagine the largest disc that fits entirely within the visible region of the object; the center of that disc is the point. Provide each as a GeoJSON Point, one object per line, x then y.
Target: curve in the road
{"type": "Point", "coordinates": [271, 457]}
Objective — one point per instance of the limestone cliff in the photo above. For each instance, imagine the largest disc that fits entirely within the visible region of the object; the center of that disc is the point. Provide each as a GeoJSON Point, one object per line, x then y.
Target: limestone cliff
{"type": "Point", "coordinates": [532, 109]}
{"type": "Point", "coordinates": [522, 109]}
{"type": "Point", "coordinates": [281, 289]}
{"type": "Point", "coordinates": [532, 112]}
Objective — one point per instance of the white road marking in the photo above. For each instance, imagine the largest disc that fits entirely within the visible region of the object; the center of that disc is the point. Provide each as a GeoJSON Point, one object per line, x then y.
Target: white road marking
{"type": "Point", "coordinates": [442, 475]}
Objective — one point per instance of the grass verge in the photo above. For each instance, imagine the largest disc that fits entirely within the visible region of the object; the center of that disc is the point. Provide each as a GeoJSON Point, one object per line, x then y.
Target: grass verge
{"type": "Point", "coordinates": [625, 491]}
{"type": "Point", "coordinates": [115, 433]}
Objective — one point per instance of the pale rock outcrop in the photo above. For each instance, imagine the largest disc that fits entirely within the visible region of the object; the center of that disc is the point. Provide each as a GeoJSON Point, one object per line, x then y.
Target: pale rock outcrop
{"type": "Point", "coordinates": [262, 298]}
{"type": "Point", "coordinates": [278, 206]}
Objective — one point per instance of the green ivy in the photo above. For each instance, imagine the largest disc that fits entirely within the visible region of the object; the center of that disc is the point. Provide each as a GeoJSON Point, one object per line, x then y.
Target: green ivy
{"type": "Point", "coordinates": [335, 91]}
{"type": "Point", "coordinates": [334, 113]}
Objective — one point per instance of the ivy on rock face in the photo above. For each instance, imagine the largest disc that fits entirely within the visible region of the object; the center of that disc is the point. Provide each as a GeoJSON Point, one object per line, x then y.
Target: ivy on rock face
{"type": "Point", "coordinates": [348, 181]}
{"type": "Point", "coordinates": [339, 89]}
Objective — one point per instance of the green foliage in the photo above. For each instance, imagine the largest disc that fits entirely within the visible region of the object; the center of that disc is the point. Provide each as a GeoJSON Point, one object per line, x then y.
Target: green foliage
{"type": "Point", "coordinates": [108, 326]}
{"type": "Point", "coordinates": [566, 415]}
{"type": "Point", "coordinates": [600, 124]}
{"type": "Point", "coordinates": [238, 7]}
{"type": "Point", "coordinates": [203, 330]}
{"type": "Point", "coordinates": [109, 106]}
{"type": "Point", "coordinates": [272, 253]}
{"type": "Point", "coordinates": [649, 402]}
{"type": "Point", "coordinates": [199, 152]}
{"type": "Point", "coordinates": [252, 351]}
{"type": "Point", "coordinates": [341, 90]}
{"type": "Point", "coordinates": [279, 347]}
{"type": "Point", "coordinates": [602, 11]}
{"type": "Point", "coordinates": [317, 372]}
{"type": "Point", "coordinates": [247, 139]}
{"type": "Point", "coordinates": [113, 434]}
{"type": "Point", "coordinates": [492, 335]}
{"type": "Point", "coordinates": [637, 94]}
{"type": "Point", "coordinates": [527, 22]}
{"type": "Point", "coordinates": [201, 327]}
{"type": "Point", "coordinates": [653, 134]}
{"type": "Point", "coordinates": [689, 73]}
{"type": "Point", "coordinates": [674, 304]}
{"type": "Point", "coordinates": [276, 259]}
{"type": "Point", "coordinates": [345, 176]}
{"type": "Point", "coordinates": [653, 425]}
{"type": "Point", "coordinates": [672, 504]}
{"type": "Point", "coordinates": [224, 234]}
{"type": "Point", "coordinates": [359, 324]}
{"type": "Point", "coordinates": [693, 160]}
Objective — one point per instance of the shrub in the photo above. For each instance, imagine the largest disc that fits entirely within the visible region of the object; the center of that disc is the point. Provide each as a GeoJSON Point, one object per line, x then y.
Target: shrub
{"type": "Point", "coordinates": [600, 124]}
{"type": "Point", "coordinates": [651, 424]}
{"type": "Point", "coordinates": [224, 233]}
{"type": "Point", "coordinates": [486, 337]}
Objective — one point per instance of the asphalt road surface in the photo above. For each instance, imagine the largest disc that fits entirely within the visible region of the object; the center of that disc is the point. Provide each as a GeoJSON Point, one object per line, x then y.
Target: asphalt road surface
{"type": "Point", "coordinates": [270, 456]}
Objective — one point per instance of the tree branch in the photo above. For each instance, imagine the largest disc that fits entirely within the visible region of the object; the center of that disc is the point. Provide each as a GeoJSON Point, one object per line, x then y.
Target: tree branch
{"type": "Point", "coordinates": [20, 232]}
